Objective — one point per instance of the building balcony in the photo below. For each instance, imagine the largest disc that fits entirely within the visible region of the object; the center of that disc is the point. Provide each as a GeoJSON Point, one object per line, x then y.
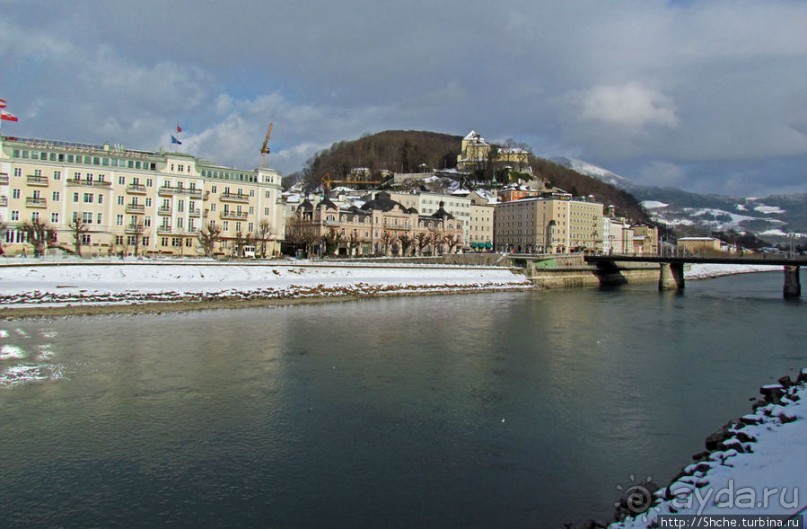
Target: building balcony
{"type": "Point", "coordinates": [36, 202]}
{"type": "Point", "coordinates": [233, 215]}
{"type": "Point", "coordinates": [164, 210]}
{"type": "Point", "coordinates": [195, 213]}
{"type": "Point", "coordinates": [137, 189]}
{"type": "Point", "coordinates": [37, 180]}
{"type": "Point", "coordinates": [164, 229]}
{"type": "Point", "coordinates": [135, 208]}
{"type": "Point", "coordinates": [170, 191]}
{"type": "Point", "coordinates": [3, 202]}
{"type": "Point", "coordinates": [136, 228]}
{"type": "Point", "coordinates": [234, 197]}
{"type": "Point", "coordinates": [3, 179]}
{"type": "Point", "coordinates": [73, 182]}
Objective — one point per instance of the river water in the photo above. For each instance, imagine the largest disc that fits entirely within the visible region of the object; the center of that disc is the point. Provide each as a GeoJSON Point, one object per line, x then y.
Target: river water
{"type": "Point", "coordinates": [512, 410]}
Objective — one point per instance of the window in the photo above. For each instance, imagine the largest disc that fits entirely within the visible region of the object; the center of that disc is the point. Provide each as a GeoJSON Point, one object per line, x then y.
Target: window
{"type": "Point", "coordinates": [119, 239]}
{"type": "Point", "coordinates": [213, 189]}
{"type": "Point", "coordinates": [54, 218]}
{"type": "Point", "coordinates": [122, 180]}
{"type": "Point", "coordinates": [88, 198]}
{"type": "Point", "coordinates": [252, 192]}
{"type": "Point", "coordinates": [15, 193]}
{"type": "Point", "coordinates": [268, 194]}
{"type": "Point", "coordinates": [265, 212]}
{"type": "Point", "coordinates": [17, 171]}
{"type": "Point", "coordinates": [179, 223]}
{"type": "Point", "coordinates": [226, 226]}
{"type": "Point", "coordinates": [148, 202]}
{"type": "Point", "coordinates": [147, 222]}
{"type": "Point", "coordinates": [164, 241]}
{"type": "Point", "coordinates": [145, 241]}
{"type": "Point", "coordinates": [86, 218]}
{"type": "Point", "coordinates": [149, 182]}
{"type": "Point", "coordinates": [100, 198]}
{"type": "Point", "coordinates": [86, 239]}
{"type": "Point", "coordinates": [35, 216]}
{"type": "Point", "coordinates": [56, 196]}
{"type": "Point", "coordinates": [213, 208]}
{"type": "Point", "coordinates": [99, 218]}
{"type": "Point", "coordinates": [120, 200]}
{"type": "Point", "coordinates": [180, 205]}
{"type": "Point", "coordinates": [57, 175]}
{"type": "Point", "coordinates": [15, 215]}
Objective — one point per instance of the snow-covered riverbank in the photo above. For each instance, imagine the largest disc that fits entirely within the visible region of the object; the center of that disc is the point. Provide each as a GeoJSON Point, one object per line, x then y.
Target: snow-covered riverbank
{"type": "Point", "coordinates": [139, 282]}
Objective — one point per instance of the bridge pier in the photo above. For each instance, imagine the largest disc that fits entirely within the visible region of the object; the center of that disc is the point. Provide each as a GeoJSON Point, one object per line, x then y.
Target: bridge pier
{"type": "Point", "coordinates": [671, 276]}
{"type": "Point", "coordinates": [792, 288]}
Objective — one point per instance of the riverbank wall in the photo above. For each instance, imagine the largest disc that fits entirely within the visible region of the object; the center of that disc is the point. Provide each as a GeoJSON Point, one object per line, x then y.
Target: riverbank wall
{"type": "Point", "coordinates": [573, 272]}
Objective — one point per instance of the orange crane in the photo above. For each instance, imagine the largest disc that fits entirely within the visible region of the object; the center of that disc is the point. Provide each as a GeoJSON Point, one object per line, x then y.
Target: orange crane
{"type": "Point", "coordinates": [265, 147]}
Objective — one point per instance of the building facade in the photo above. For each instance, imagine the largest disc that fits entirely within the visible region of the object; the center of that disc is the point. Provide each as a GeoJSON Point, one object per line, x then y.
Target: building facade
{"type": "Point", "coordinates": [381, 226]}
{"type": "Point", "coordinates": [132, 201]}
{"type": "Point", "coordinates": [553, 223]}
{"type": "Point", "coordinates": [458, 206]}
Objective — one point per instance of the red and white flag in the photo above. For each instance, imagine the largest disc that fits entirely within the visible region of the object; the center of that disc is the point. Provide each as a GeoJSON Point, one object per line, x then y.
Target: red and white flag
{"type": "Point", "coordinates": [3, 103]}
{"type": "Point", "coordinates": [179, 129]}
{"type": "Point", "coordinates": [8, 116]}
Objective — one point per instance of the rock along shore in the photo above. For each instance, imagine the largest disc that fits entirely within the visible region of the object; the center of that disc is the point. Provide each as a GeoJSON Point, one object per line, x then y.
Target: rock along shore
{"type": "Point", "coordinates": [756, 464]}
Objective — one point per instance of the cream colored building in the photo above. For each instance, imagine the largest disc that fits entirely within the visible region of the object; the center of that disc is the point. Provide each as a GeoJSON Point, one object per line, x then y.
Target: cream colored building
{"type": "Point", "coordinates": [132, 201]}
{"type": "Point", "coordinates": [554, 223]}
{"type": "Point", "coordinates": [381, 226]}
{"type": "Point", "coordinates": [483, 208]}
{"type": "Point", "coordinates": [428, 203]}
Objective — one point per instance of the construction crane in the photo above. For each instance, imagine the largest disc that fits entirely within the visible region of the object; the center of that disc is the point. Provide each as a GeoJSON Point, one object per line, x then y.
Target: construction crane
{"type": "Point", "coordinates": [265, 147]}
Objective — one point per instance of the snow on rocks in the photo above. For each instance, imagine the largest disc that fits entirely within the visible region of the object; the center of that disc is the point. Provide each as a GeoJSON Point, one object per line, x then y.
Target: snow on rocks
{"type": "Point", "coordinates": [754, 465]}
{"type": "Point", "coordinates": [128, 283]}
{"type": "Point", "coordinates": [707, 271]}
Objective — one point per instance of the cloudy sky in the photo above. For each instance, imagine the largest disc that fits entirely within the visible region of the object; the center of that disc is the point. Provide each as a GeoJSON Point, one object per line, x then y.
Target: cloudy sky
{"type": "Point", "coordinates": [705, 95]}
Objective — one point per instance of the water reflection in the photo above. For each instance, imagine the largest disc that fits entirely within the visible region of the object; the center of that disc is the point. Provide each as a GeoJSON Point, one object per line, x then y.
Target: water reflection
{"type": "Point", "coordinates": [516, 410]}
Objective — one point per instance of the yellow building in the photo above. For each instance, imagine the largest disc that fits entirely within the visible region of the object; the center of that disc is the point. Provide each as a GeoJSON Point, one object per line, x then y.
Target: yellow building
{"type": "Point", "coordinates": [553, 223]}
{"type": "Point", "coordinates": [132, 201]}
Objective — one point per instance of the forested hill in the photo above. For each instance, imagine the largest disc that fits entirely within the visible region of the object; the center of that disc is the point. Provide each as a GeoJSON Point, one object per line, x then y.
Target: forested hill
{"type": "Point", "coordinates": [413, 151]}
{"type": "Point", "coordinates": [394, 150]}
{"type": "Point", "coordinates": [579, 184]}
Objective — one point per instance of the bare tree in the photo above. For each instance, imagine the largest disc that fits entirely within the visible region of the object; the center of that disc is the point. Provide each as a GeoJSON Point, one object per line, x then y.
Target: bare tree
{"type": "Point", "coordinates": [353, 242]}
{"type": "Point", "coordinates": [422, 240]}
{"type": "Point", "coordinates": [137, 229]}
{"type": "Point", "coordinates": [3, 228]}
{"type": "Point", "coordinates": [78, 228]}
{"type": "Point", "coordinates": [38, 233]}
{"type": "Point", "coordinates": [406, 243]}
{"type": "Point", "coordinates": [208, 236]}
{"type": "Point", "coordinates": [238, 244]}
{"type": "Point", "coordinates": [386, 240]}
{"type": "Point", "coordinates": [451, 240]}
{"type": "Point", "coordinates": [263, 235]}
{"type": "Point", "coordinates": [332, 240]}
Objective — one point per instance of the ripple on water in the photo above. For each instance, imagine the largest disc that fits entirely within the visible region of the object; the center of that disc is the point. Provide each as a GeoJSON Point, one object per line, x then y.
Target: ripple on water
{"type": "Point", "coordinates": [24, 374]}
{"type": "Point", "coordinates": [11, 352]}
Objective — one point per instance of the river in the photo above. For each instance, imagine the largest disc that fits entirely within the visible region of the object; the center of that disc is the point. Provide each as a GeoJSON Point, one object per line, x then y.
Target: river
{"type": "Point", "coordinates": [510, 410]}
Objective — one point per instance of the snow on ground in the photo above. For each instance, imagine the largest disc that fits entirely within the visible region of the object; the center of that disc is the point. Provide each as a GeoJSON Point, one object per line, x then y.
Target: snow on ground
{"type": "Point", "coordinates": [758, 467]}
{"type": "Point", "coordinates": [653, 204]}
{"type": "Point", "coordinates": [706, 271]}
{"type": "Point", "coordinates": [140, 281]}
{"type": "Point", "coordinates": [767, 210]}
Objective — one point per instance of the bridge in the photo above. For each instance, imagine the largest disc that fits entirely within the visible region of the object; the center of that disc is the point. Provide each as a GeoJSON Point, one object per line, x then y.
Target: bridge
{"type": "Point", "coordinates": [671, 275]}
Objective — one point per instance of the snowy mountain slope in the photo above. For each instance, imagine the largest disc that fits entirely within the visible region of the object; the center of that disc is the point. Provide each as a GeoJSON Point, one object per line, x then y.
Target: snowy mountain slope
{"type": "Point", "coordinates": [772, 217]}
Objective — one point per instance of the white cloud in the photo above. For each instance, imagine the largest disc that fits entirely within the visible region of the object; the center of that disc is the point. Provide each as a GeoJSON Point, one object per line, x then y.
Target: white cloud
{"type": "Point", "coordinates": [631, 105]}
{"type": "Point", "coordinates": [703, 83]}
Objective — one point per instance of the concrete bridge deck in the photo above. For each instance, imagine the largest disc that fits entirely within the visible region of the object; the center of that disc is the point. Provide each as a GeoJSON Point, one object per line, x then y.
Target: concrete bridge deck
{"type": "Point", "coordinates": [671, 275]}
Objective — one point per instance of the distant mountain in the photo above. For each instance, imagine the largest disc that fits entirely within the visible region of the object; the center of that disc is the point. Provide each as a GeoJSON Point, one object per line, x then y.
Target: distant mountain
{"type": "Point", "coordinates": [771, 218]}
